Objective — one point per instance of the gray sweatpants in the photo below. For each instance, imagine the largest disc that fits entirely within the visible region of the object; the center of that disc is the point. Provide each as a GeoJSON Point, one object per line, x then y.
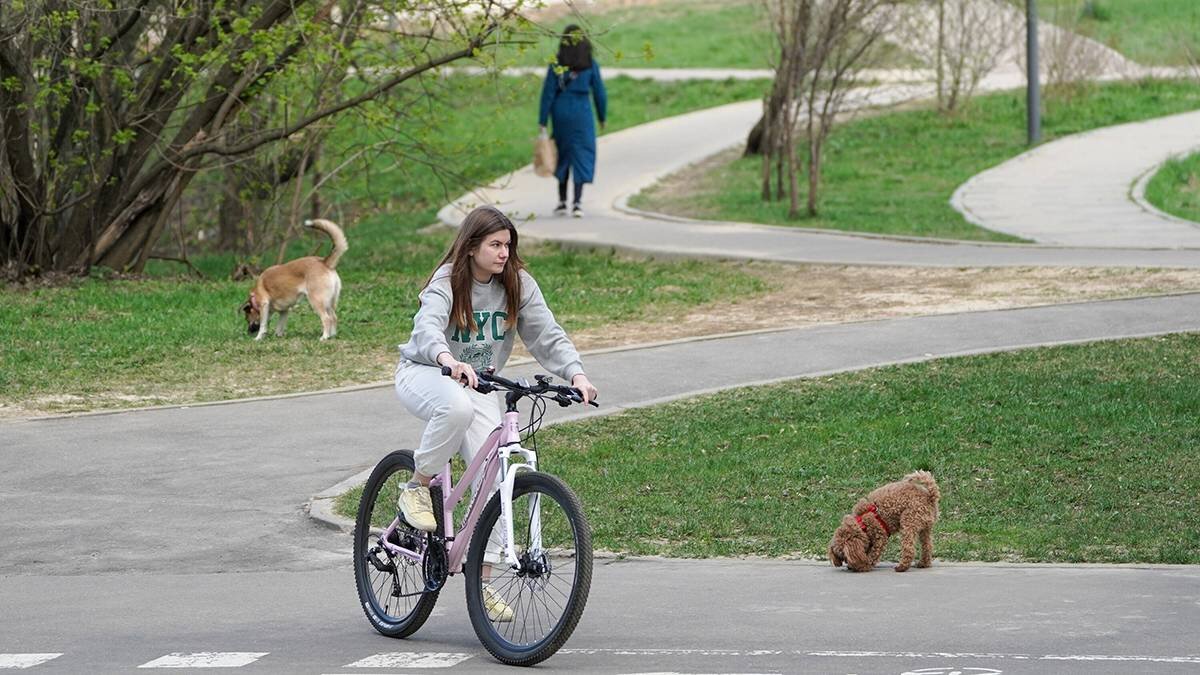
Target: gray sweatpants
{"type": "Point", "coordinates": [457, 419]}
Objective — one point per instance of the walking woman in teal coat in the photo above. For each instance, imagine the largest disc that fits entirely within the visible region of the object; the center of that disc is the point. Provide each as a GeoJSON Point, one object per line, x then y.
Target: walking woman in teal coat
{"type": "Point", "coordinates": [565, 100]}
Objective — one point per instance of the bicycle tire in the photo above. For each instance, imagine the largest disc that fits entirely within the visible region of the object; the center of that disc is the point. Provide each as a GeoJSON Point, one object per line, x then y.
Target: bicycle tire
{"type": "Point", "coordinates": [570, 528]}
{"type": "Point", "coordinates": [369, 580]}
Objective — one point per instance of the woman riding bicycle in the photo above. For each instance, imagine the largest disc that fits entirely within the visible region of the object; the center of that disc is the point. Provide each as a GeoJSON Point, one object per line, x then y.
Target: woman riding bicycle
{"type": "Point", "coordinates": [468, 308]}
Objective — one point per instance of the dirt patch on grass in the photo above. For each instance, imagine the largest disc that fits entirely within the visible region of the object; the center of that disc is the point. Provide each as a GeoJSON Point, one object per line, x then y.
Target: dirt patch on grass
{"type": "Point", "coordinates": [805, 295]}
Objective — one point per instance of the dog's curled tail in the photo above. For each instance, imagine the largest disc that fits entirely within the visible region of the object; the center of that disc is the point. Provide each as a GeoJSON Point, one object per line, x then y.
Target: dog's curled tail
{"type": "Point", "coordinates": [925, 480]}
{"type": "Point", "coordinates": [335, 233]}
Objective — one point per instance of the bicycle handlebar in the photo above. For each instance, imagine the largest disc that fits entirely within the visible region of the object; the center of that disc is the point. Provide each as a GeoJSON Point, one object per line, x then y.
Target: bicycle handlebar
{"type": "Point", "coordinates": [489, 382]}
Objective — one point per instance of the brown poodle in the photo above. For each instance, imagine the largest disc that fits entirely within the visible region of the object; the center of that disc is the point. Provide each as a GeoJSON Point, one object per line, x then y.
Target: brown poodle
{"type": "Point", "coordinates": [909, 505]}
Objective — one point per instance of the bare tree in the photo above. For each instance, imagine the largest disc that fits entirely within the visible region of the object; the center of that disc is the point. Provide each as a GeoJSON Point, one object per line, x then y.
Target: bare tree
{"type": "Point", "coordinates": [1191, 55]}
{"type": "Point", "coordinates": [109, 108]}
{"type": "Point", "coordinates": [776, 140]}
{"type": "Point", "coordinates": [823, 46]}
{"type": "Point", "coordinates": [1071, 59]}
{"type": "Point", "coordinates": [960, 40]}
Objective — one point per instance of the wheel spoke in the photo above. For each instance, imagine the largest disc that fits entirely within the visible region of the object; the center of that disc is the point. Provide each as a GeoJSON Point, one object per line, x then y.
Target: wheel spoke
{"type": "Point", "coordinates": [390, 613]}
{"type": "Point", "coordinates": [546, 594]}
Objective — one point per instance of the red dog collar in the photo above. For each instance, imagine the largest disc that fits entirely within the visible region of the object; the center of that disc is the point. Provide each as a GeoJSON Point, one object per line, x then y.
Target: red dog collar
{"type": "Point", "coordinates": [872, 511]}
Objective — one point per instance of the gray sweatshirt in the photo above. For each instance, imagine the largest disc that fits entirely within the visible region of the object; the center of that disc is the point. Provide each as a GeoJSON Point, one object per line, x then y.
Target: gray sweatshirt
{"type": "Point", "coordinates": [489, 344]}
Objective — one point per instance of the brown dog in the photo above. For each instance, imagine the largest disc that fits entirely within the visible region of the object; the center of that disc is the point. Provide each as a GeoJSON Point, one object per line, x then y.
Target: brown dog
{"type": "Point", "coordinates": [909, 505]}
{"type": "Point", "coordinates": [280, 286]}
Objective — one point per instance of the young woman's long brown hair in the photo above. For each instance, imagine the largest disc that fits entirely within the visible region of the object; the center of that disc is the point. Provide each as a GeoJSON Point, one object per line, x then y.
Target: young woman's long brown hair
{"type": "Point", "coordinates": [476, 227]}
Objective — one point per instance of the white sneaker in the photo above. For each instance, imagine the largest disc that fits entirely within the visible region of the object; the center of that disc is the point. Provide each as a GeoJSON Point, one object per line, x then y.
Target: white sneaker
{"type": "Point", "coordinates": [576, 212]}
{"type": "Point", "coordinates": [417, 508]}
{"type": "Point", "coordinates": [561, 209]}
{"type": "Point", "coordinates": [497, 609]}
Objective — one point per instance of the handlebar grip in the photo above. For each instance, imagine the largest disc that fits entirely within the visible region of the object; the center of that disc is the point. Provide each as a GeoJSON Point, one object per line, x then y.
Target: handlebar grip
{"type": "Point", "coordinates": [577, 396]}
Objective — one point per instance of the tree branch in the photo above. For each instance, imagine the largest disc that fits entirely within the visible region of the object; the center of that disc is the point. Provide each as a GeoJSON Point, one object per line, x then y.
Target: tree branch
{"type": "Point", "coordinates": [262, 138]}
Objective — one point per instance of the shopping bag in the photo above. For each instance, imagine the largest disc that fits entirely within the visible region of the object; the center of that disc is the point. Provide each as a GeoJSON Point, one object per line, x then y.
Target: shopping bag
{"type": "Point", "coordinates": [545, 155]}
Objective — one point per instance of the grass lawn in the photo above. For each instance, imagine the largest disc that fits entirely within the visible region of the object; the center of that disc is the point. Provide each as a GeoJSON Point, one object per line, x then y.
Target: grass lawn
{"type": "Point", "coordinates": [1067, 454]}
{"type": "Point", "coordinates": [1176, 188]}
{"type": "Point", "coordinates": [894, 173]}
{"type": "Point", "coordinates": [1151, 32]}
{"type": "Point", "coordinates": [734, 34]}
{"type": "Point", "coordinates": [695, 34]}
{"type": "Point", "coordinates": [95, 343]}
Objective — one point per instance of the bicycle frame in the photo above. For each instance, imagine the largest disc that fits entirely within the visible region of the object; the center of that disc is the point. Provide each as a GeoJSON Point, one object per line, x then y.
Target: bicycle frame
{"type": "Point", "coordinates": [493, 457]}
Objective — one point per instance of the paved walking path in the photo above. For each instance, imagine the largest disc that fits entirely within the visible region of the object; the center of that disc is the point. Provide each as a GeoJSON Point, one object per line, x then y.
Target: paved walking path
{"type": "Point", "coordinates": [1072, 194]}
{"type": "Point", "coordinates": [1079, 190]}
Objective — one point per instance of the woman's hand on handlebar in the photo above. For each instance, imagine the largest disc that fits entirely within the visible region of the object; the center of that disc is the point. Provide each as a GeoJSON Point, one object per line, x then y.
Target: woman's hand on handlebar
{"type": "Point", "coordinates": [585, 387]}
{"type": "Point", "coordinates": [462, 373]}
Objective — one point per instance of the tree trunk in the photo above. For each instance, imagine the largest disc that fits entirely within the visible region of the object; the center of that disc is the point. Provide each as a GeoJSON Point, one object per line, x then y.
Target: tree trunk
{"type": "Point", "coordinates": [757, 136]}
{"type": "Point", "coordinates": [941, 54]}
{"type": "Point", "coordinates": [793, 179]}
{"type": "Point", "coordinates": [232, 214]}
{"type": "Point", "coordinates": [129, 249]}
{"type": "Point", "coordinates": [814, 173]}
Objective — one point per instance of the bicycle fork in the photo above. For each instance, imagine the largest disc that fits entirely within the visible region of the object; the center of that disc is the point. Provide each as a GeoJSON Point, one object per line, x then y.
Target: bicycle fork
{"type": "Point", "coordinates": [508, 478]}
{"type": "Point", "coordinates": [511, 434]}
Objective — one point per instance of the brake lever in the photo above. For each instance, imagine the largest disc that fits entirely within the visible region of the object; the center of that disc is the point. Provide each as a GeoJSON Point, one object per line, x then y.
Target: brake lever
{"type": "Point", "coordinates": [483, 386]}
{"type": "Point", "coordinates": [577, 396]}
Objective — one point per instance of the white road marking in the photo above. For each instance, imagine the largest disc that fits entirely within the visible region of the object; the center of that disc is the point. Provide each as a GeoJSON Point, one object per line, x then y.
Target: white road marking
{"type": "Point", "coordinates": [1015, 657]}
{"type": "Point", "coordinates": [924, 655]}
{"type": "Point", "coordinates": [25, 660]}
{"type": "Point", "coordinates": [953, 670]}
{"type": "Point", "coordinates": [205, 660]}
{"type": "Point", "coordinates": [410, 660]}
{"type": "Point", "coordinates": [734, 653]}
{"type": "Point", "coordinates": [673, 652]}
{"type": "Point", "coordinates": [1111, 657]}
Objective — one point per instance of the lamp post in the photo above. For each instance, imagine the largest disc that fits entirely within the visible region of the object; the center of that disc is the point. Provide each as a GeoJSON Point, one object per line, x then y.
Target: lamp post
{"type": "Point", "coordinates": [1033, 102]}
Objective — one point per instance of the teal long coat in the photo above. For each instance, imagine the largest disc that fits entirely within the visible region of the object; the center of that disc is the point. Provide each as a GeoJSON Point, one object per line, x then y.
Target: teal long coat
{"type": "Point", "coordinates": [565, 101]}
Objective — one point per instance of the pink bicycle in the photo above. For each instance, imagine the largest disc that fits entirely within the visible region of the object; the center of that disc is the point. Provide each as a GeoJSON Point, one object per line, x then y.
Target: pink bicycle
{"type": "Point", "coordinates": [528, 547]}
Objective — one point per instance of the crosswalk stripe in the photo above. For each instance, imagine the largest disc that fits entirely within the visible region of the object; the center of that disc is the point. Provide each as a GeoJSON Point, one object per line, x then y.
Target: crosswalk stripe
{"type": "Point", "coordinates": [25, 660]}
{"type": "Point", "coordinates": [410, 660]}
{"type": "Point", "coordinates": [205, 660]}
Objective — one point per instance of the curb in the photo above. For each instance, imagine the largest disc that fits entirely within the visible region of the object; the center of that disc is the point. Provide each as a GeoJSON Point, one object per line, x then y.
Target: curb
{"type": "Point", "coordinates": [1137, 193]}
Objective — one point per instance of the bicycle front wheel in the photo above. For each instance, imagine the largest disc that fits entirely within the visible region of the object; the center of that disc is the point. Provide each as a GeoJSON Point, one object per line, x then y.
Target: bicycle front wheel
{"type": "Point", "coordinates": [523, 614]}
{"type": "Point", "coordinates": [391, 588]}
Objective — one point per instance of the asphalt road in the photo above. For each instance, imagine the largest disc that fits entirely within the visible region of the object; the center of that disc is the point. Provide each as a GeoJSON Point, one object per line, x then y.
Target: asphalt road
{"type": "Point", "coordinates": [643, 616]}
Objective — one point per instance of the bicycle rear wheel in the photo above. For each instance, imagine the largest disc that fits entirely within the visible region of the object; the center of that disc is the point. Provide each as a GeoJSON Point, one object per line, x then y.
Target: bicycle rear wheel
{"type": "Point", "coordinates": [391, 588]}
{"type": "Point", "coordinates": [547, 591]}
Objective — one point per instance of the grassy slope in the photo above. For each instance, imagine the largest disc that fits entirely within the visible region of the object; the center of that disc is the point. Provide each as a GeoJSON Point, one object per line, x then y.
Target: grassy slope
{"type": "Point", "coordinates": [1152, 32]}
{"type": "Point", "coordinates": [696, 34]}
